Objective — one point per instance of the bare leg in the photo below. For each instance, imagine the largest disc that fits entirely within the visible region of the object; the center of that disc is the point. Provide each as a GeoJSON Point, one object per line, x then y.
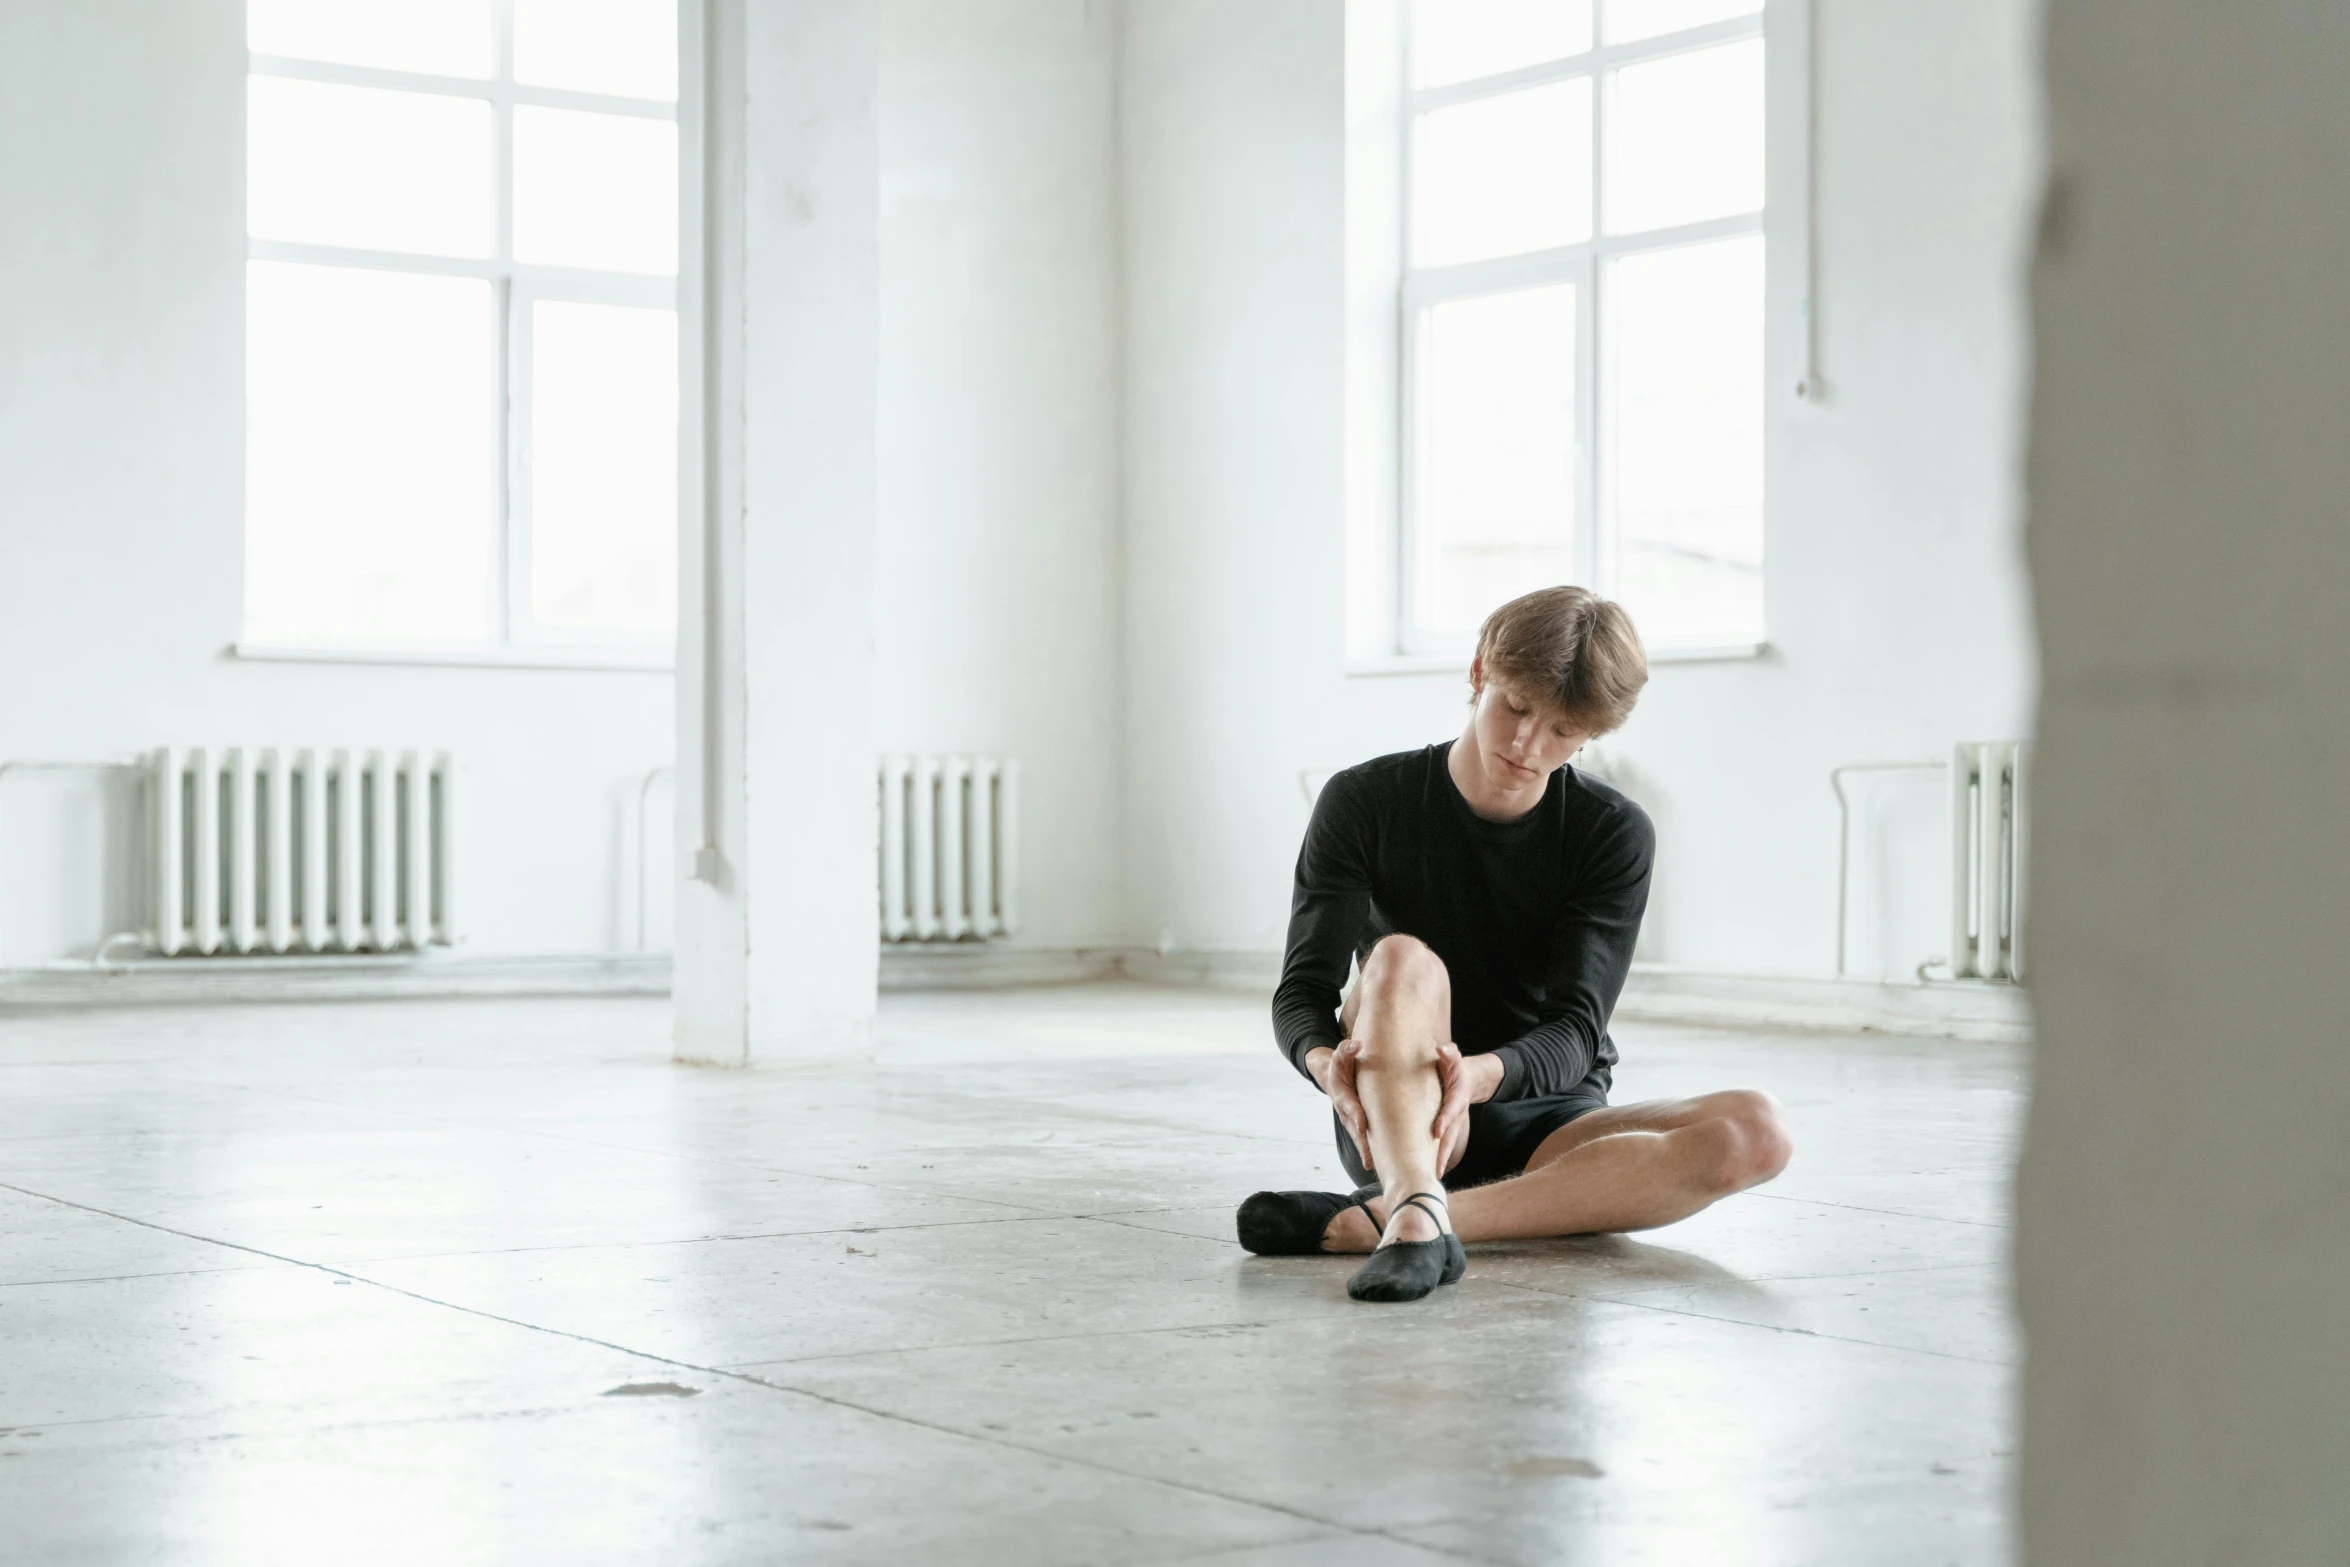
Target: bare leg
{"type": "Point", "coordinates": [1401, 1010]}
{"type": "Point", "coordinates": [1627, 1167]}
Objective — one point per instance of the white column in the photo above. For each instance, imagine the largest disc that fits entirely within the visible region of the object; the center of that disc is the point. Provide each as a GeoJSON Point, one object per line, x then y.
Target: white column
{"type": "Point", "coordinates": [776, 950]}
{"type": "Point", "coordinates": [2183, 1261]}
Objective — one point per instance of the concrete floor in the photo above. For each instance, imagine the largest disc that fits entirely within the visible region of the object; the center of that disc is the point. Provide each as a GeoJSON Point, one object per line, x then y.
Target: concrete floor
{"type": "Point", "coordinates": [492, 1282]}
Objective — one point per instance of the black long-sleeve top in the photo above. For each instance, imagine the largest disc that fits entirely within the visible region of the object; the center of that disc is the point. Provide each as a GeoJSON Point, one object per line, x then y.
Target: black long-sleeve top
{"type": "Point", "coordinates": [1534, 918]}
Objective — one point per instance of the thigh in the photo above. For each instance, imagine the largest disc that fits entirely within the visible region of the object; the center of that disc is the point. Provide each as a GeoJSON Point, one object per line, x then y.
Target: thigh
{"type": "Point", "coordinates": [1646, 1115]}
{"type": "Point", "coordinates": [1504, 1138]}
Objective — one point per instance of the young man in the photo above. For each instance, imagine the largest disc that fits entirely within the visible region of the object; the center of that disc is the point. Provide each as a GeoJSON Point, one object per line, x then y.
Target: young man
{"type": "Point", "coordinates": [1491, 895]}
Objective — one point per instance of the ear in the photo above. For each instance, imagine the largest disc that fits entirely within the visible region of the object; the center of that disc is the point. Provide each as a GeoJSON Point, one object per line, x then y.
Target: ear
{"type": "Point", "coordinates": [1476, 678]}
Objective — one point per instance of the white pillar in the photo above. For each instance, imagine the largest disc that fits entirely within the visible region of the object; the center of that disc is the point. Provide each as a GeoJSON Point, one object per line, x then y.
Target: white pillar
{"type": "Point", "coordinates": [2183, 1257]}
{"type": "Point", "coordinates": [776, 948]}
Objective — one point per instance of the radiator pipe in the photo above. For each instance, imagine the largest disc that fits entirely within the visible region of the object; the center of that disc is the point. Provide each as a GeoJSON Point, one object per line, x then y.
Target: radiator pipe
{"type": "Point", "coordinates": [43, 765]}
{"type": "Point", "coordinates": [1844, 839]}
{"type": "Point", "coordinates": [644, 795]}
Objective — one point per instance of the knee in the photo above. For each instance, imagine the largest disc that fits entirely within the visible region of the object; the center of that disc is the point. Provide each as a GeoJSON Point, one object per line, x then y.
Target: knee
{"type": "Point", "coordinates": [1749, 1142]}
{"type": "Point", "coordinates": [1400, 966]}
{"type": "Point", "coordinates": [1404, 1006]}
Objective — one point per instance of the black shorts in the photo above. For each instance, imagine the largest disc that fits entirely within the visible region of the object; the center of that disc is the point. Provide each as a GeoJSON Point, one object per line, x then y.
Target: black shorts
{"type": "Point", "coordinates": [1502, 1137]}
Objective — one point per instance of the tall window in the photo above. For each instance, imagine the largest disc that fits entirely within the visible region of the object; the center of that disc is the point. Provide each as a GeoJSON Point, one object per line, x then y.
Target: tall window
{"type": "Point", "coordinates": [1583, 312]}
{"type": "Point", "coordinates": [461, 327]}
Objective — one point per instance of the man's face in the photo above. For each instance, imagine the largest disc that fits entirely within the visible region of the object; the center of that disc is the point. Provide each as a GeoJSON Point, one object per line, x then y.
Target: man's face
{"type": "Point", "coordinates": [1521, 740]}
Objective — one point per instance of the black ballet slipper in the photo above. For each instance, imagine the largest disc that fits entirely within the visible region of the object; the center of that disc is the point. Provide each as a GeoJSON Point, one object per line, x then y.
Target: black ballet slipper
{"type": "Point", "coordinates": [1408, 1270]}
{"type": "Point", "coordinates": [1291, 1224]}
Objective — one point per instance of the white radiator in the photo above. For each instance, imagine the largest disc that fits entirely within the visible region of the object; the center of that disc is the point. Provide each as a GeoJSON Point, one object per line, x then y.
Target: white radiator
{"type": "Point", "coordinates": [276, 850]}
{"type": "Point", "coordinates": [1988, 833]}
{"type": "Point", "coordinates": [950, 847]}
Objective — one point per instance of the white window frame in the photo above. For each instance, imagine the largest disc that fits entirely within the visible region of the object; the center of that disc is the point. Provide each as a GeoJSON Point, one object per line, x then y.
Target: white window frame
{"type": "Point", "coordinates": [517, 638]}
{"type": "Point", "coordinates": [1783, 220]}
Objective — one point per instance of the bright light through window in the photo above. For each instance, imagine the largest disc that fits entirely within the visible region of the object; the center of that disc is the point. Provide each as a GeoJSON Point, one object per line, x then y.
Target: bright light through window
{"type": "Point", "coordinates": [627, 48]}
{"type": "Point", "coordinates": [1585, 343]}
{"type": "Point", "coordinates": [603, 458]}
{"type": "Point", "coordinates": [330, 164]}
{"type": "Point", "coordinates": [1500, 447]}
{"type": "Point", "coordinates": [1685, 382]}
{"type": "Point", "coordinates": [371, 427]}
{"type": "Point", "coordinates": [1460, 39]}
{"type": "Point", "coordinates": [433, 37]}
{"type": "Point", "coordinates": [461, 411]}
{"type": "Point", "coordinates": [595, 190]}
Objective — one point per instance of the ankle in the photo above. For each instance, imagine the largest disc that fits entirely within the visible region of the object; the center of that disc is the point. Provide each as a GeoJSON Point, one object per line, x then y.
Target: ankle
{"type": "Point", "coordinates": [1350, 1231]}
{"type": "Point", "coordinates": [1401, 1220]}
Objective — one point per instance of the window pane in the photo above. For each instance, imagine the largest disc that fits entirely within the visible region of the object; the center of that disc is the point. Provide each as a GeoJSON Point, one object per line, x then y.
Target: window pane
{"type": "Point", "coordinates": [625, 47]}
{"type": "Point", "coordinates": [1631, 19]}
{"type": "Point", "coordinates": [603, 473]}
{"type": "Point", "coordinates": [1685, 387]}
{"type": "Point", "coordinates": [1454, 40]}
{"type": "Point", "coordinates": [1503, 175]}
{"type": "Point", "coordinates": [440, 37]}
{"type": "Point", "coordinates": [1685, 138]}
{"type": "Point", "coordinates": [360, 166]}
{"type": "Point", "coordinates": [1499, 483]}
{"type": "Point", "coordinates": [595, 190]}
{"type": "Point", "coordinates": [370, 457]}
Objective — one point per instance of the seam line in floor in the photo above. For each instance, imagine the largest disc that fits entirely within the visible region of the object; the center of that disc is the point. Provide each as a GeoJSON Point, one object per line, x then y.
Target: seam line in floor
{"type": "Point", "coordinates": [745, 1377]}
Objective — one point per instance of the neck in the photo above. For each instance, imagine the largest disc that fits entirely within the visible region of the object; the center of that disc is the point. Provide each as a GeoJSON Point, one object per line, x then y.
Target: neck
{"type": "Point", "coordinates": [1495, 802]}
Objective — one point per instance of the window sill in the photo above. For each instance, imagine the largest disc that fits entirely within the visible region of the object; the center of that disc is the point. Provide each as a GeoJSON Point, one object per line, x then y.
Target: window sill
{"type": "Point", "coordinates": [640, 660]}
{"type": "Point", "coordinates": [1458, 663]}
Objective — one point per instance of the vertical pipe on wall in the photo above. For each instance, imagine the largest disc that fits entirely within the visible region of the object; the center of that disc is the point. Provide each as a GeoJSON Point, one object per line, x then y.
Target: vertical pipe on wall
{"type": "Point", "coordinates": [710, 246]}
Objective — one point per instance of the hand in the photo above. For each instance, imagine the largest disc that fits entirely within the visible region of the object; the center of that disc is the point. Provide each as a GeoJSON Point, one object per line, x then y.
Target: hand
{"type": "Point", "coordinates": [1467, 1080]}
{"type": "Point", "coordinates": [1334, 1069]}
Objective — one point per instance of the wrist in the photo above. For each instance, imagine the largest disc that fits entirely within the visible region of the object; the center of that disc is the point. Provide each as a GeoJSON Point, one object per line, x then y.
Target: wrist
{"type": "Point", "coordinates": [1490, 1072]}
{"type": "Point", "coordinates": [1317, 1064]}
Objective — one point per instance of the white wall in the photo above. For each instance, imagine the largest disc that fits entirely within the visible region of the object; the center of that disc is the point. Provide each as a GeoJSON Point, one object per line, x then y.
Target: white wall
{"type": "Point", "coordinates": [997, 553]}
{"type": "Point", "coordinates": [121, 429]}
{"type": "Point", "coordinates": [2182, 1263]}
{"type": "Point", "coordinates": [997, 576]}
{"type": "Point", "coordinates": [1896, 601]}
{"type": "Point", "coordinates": [1113, 480]}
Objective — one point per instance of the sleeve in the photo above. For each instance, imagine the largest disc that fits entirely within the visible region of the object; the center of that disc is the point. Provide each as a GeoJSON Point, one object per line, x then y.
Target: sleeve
{"type": "Point", "coordinates": [1328, 909]}
{"type": "Point", "coordinates": [1590, 955]}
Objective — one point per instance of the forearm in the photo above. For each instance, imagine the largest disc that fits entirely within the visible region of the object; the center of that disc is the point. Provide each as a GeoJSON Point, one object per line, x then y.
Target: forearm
{"type": "Point", "coordinates": [1300, 1033]}
{"type": "Point", "coordinates": [1483, 1076]}
{"type": "Point", "coordinates": [1315, 1063]}
{"type": "Point", "coordinates": [1548, 1060]}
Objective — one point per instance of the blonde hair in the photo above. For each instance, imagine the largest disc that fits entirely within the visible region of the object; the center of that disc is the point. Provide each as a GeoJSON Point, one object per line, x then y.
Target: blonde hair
{"type": "Point", "coordinates": [1570, 647]}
